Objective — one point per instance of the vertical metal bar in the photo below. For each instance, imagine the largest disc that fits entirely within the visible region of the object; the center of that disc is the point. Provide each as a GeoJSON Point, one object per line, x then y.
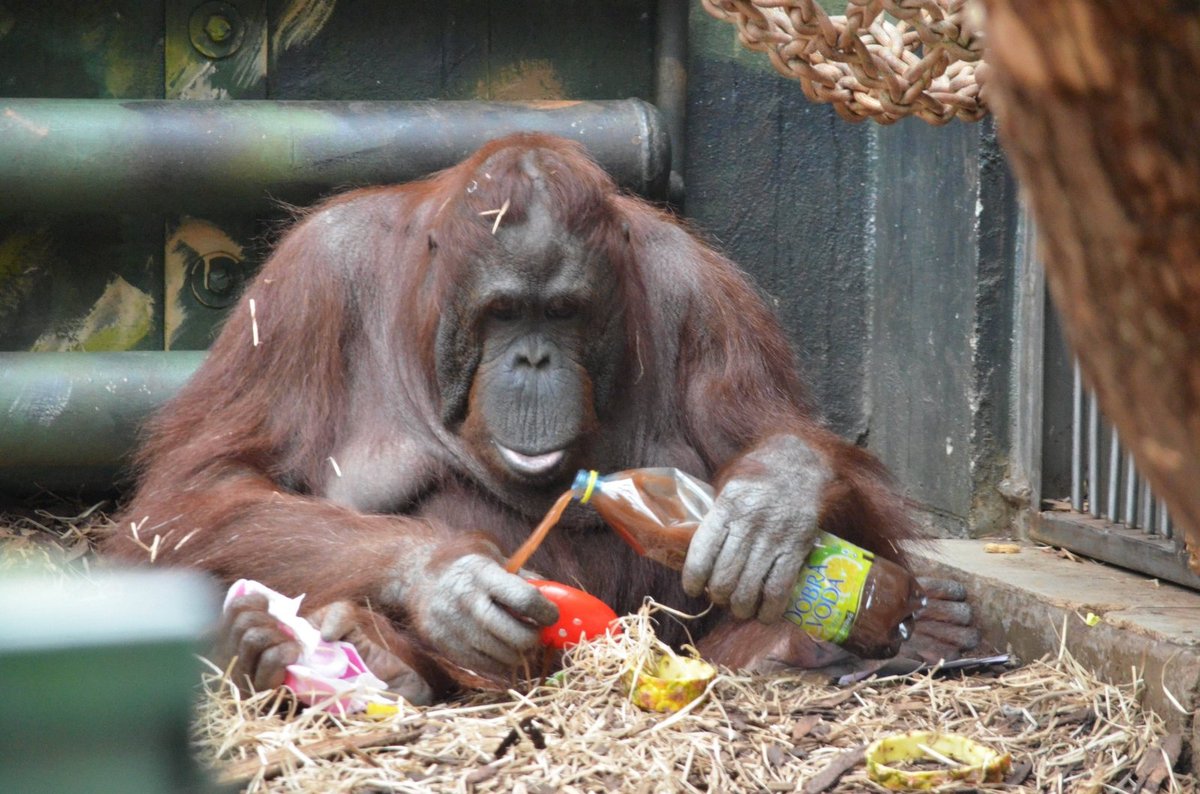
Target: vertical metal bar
{"type": "Point", "coordinates": [1114, 475]}
{"type": "Point", "coordinates": [1147, 507]}
{"type": "Point", "coordinates": [1029, 369]}
{"type": "Point", "coordinates": [1093, 473]}
{"type": "Point", "coordinates": [1077, 442]}
{"type": "Point", "coordinates": [1164, 521]}
{"type": "Point", "coordinates": [1131, 485]}
{"type": "Point", "coordinates": [670, 84]}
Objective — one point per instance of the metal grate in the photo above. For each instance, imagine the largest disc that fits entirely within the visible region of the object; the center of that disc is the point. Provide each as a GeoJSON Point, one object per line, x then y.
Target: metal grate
{"type": "Point", "coordinates": [1085, 492]}
{"type": "Point", "coordinates": [1112, 515]}
{"type": "Point", "coordinates": [1104, 481]}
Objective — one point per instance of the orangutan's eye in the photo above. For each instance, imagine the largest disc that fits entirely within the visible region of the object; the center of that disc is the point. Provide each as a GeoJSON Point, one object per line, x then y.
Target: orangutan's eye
{"type": "Point", "coordinates": [503, 309]}
{"type": "Point", "coordinates": [562, 310]}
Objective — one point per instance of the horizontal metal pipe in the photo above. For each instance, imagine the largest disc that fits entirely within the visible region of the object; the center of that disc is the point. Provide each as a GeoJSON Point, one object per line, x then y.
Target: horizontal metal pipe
{"type": "Point", "coordinates": [68, 421]}
{"type": "Point", "coordinates": [85, 155]}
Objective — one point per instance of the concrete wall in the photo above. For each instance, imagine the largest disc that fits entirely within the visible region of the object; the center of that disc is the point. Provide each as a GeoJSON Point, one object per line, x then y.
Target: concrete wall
{"type": "Point", "coordinates": [888, 253]}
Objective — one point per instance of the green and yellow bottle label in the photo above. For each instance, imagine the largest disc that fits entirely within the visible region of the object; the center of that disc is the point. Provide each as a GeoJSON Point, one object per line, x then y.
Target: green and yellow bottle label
{"type": "Point", "coordinates": [828, 595]}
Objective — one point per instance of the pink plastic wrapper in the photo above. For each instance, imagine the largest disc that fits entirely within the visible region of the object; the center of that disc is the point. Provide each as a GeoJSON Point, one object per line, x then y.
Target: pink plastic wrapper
{"type": "Point", "coordinates": [330, 676]}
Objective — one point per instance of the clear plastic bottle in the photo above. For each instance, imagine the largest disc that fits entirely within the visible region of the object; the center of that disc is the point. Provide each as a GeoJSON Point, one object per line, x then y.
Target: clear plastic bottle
{"type": "Point", "coordinates": [844, 594]}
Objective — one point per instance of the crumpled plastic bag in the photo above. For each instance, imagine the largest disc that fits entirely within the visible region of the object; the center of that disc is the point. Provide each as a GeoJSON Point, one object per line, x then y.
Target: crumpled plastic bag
{"type": "Point", "coordinates": [330, 676]}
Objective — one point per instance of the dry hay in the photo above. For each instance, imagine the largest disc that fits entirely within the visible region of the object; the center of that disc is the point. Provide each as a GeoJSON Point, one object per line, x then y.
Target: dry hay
{"type": "Point", "coordinates": [766, 733]}
{"type": "Point", "coordinates": [54, 540]}
{"type": "Point", "coordinates": [1066, 731]}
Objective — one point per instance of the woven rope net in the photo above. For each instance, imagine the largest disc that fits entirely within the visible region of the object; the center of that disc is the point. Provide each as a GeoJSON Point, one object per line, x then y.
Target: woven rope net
{"type": "Point", "coordinates": [882, 60]}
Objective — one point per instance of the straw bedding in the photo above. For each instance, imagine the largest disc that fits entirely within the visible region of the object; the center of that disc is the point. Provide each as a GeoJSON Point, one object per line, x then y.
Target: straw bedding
{"type": "Point", "coordinates": [1066, 731]}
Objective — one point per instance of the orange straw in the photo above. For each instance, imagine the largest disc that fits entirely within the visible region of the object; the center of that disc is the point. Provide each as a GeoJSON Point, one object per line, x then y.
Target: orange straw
{"type": "Point", "coordinates": [522, 555]}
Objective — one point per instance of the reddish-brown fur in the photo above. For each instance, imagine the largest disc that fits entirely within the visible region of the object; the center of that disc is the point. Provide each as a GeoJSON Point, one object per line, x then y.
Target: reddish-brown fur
{"type": "Point", "coordinates": [236, 476]}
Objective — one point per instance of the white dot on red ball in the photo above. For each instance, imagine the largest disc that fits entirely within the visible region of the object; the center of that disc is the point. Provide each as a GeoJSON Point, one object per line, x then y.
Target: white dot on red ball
{"type": "Point", "coordinates": [562, 632]}
{"type": "Point", "coordinates": [576, 622]}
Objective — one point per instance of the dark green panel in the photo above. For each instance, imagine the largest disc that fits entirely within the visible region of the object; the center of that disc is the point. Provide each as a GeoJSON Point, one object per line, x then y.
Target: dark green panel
{"type": "Point", "coordinates": [1057, 409]}
{"type": "Point", "coordinates": [461, 50]}
{"type": "Point", "coordinates": [100, 673]}
{"type": "Point", "coordinates": [64, 48]}
{"type": "Point", "coordinates": [581, 48]}
{"type": "Point", "coordinates": [66, 281]}
{"type": "Point", "coordinates": [84, 283]}
{"type": "Point", "coordinates": [888, 254]}
{"type": "Point", "coordinates": [400, 50]}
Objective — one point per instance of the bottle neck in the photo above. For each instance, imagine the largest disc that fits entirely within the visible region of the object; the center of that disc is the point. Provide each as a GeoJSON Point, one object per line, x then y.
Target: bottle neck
{"type": "Point", "coordinates": [585, 484]}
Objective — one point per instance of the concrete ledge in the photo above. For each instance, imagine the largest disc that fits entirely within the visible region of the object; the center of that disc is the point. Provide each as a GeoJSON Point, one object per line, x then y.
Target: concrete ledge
{"type": "Point", "coordinates": [1022, 601]}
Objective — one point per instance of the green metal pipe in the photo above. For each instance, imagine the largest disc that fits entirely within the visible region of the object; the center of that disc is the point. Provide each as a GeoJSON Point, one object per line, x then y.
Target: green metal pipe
{"type": "Point", "coordinates": [68, 421]}
{"type": "Point", "coordinates": [84, 155]}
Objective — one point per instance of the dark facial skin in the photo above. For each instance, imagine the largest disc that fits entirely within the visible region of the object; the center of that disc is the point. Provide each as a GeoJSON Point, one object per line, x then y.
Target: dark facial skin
{"type": "Point", "coordinates": [544, 312]}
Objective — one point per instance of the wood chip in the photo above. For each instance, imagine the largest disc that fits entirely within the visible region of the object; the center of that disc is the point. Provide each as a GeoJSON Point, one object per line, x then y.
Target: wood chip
{"type": "Point", "coordinates": [834, 700]}
{"type": "Point", "coordinates": [1018, 773]}
{"type": "Point", "coordinates": [804, 726]}
{"type": "Point", "coordinates": [275, 762]}
{"type": "Point", "coordinates": [1084, 715]}
{"type": "Point", "coordinates": [1001, 548]}
{"type": "Point", "coordinates": [1155, 767]}
{"type": "Point", "coordinates": [486, 772]}
{"type": "Point", "coordinates": [828, 777]}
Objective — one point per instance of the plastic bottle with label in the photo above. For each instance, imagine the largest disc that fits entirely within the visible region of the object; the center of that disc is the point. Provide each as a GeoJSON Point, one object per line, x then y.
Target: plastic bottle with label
{"type": "Point", "coordinates": [844, 593]}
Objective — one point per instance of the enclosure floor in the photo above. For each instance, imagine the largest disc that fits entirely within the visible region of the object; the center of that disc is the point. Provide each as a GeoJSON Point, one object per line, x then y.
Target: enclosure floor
{"type": "Point", "coordinates": [1026, 601]}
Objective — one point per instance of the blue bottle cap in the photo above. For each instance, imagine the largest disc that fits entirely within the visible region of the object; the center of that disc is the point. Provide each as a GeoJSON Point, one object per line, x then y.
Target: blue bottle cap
{"type": "Point", "coordinates": [585, 484]}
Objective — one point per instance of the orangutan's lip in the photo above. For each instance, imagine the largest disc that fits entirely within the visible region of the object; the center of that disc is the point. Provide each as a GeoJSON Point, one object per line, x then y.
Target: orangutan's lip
{"type": "Point", "coordinates": [531, 464]}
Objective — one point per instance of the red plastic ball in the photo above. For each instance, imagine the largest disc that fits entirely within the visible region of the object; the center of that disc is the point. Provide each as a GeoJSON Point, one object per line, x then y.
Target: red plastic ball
{"type": "Point", "coordinates": [580, 615]}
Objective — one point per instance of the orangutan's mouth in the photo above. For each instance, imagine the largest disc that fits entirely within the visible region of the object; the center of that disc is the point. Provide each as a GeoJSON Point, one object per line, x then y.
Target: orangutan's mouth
{"type": "Point", "coordinates": [531, 464]}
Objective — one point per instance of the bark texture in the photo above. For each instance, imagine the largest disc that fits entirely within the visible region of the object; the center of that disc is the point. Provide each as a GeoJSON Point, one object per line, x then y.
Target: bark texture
{"type": "Point", "coordinates": [1098, 103]}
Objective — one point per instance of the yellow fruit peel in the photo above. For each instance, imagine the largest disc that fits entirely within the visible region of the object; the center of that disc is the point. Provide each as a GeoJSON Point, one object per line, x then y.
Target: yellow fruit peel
{"type": "Point", "coordinates": [378, 710]}
{"type": "Point", "coordinates": [972, 762]}
{"type": "Point", "coordinates": [671, 683]}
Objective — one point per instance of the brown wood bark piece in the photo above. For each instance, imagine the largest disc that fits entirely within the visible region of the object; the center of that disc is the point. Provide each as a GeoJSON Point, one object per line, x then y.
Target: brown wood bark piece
{"type": "Point", "coordinates": [828, 777]}
{"type": "Point", "coordinates": [1098, 104]}
{"type": "Point", "coordinates": [242, 772]}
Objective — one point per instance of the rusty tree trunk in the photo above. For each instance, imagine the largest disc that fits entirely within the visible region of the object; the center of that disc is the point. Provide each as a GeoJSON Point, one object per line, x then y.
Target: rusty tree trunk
{"type": "Point", "coordinates": [1098, 103]}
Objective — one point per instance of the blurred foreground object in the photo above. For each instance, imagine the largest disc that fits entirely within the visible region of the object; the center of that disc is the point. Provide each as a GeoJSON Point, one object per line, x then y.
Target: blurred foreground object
{"type": "Point", "coordinates": [1098, 113]}
{"type": "Point", "coordinates": [100, 675]}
